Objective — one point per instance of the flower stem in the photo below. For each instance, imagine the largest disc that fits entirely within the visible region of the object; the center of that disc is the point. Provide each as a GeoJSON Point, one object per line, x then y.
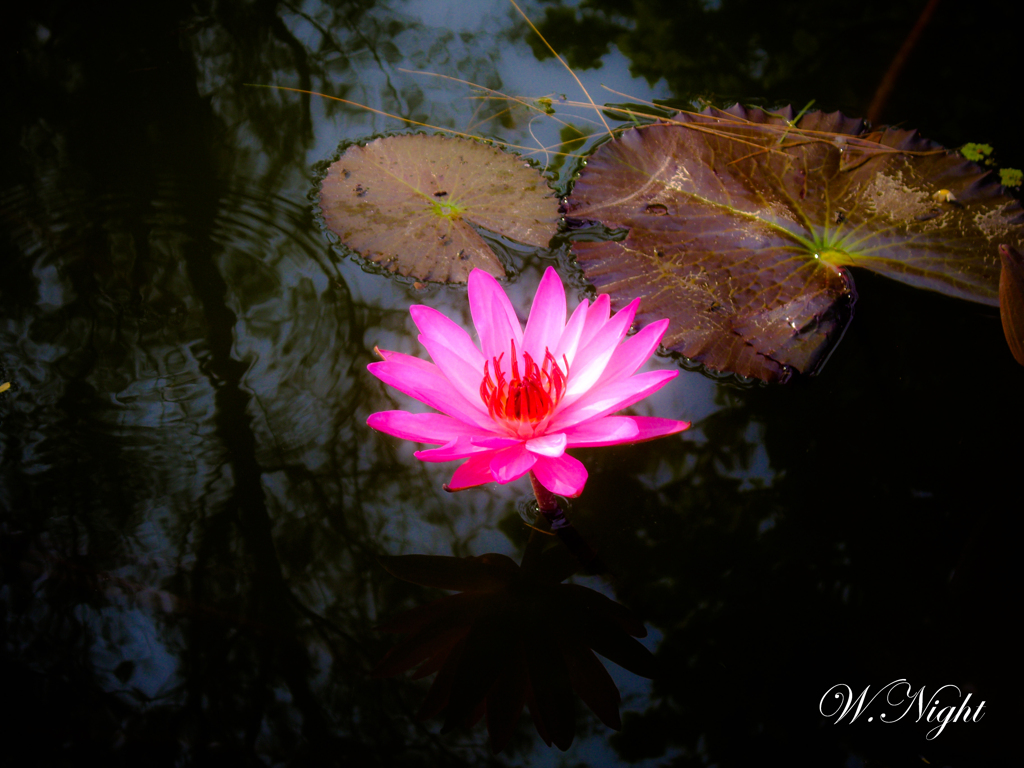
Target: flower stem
{"type": "Point", "coordinates": [560, 525]}
{"type": "Point", "coordinates": [545, 499]}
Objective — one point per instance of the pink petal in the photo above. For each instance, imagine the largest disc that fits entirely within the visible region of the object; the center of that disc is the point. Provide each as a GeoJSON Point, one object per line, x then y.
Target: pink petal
{"type": "Point", "coordinates": [564, 475]}
{"type": "Point", "coordinates": [495, 319]}
{"type": "Point", "coordinates": [569, 343]}
{"type": "Point", "coordinates": [597, 316]}
{"type": "Point", "coordinates": [611, 430]}
{"type": "Point", "coordinates": [633, 352]}
{"type": "Point", "coordinates": [547, 317]}
{"type": "Point", "coordinates": [602, 401]}
{"type": "Point", "coordinates": [592, 360]}
{"type": "Point", "coordinates": [424, 382]}
{"type": "Point", "coordinates": [511, 463]}
{"type": "Point", "coordinates": [434, 325]}
{"type": "Point", "coordinates": [496, 442]}
{"type": "Point", "coordinates": [404, 359]}
{"type": "Point", "coordinates": [459, 371]}
{"type": "Point", "coordinates": [431, 428]}
{"type": "Point", "coordinates": [651, 427]}
{"type": "Point", "coordinates": [459, 448]}
{"type": "Point", "coordinates": [476, 471]}
{"type": "Point", "coordinates": [613, 330]}
{"type": "Point", "coordinates": [551, 445]}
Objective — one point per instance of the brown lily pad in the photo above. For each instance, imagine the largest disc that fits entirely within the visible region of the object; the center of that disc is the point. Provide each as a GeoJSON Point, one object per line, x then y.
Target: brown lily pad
{"type": "Point", "coordinates": [742, 223]}
{"type": "Point", "coordinates": [411, 203]}
{"type": "Point", "coordinates": [1011, 299]}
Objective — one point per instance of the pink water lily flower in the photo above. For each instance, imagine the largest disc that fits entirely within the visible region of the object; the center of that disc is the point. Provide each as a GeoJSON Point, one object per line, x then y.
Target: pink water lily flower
{"type": "Point", "coordinates": [514, 404]}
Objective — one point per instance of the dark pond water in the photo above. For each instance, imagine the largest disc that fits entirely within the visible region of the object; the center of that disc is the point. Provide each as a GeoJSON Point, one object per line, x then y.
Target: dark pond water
{"type": "Point", "coordinates": [192, 507]}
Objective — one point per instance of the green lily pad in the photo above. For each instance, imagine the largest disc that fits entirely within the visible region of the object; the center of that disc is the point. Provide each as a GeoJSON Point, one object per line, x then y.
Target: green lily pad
{"type": "Point", "coordinates": [410, 204]}
{"type": "Point", "coordinates": [741, 226]}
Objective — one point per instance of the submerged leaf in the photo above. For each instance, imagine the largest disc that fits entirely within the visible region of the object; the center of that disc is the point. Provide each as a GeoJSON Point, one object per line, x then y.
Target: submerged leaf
{"type": "Point", "coordinates": [521, 636]}
{"type": "Point", "coordinates": [410, 203]}
{"type": "Point", "coordinates": [741, 224]}
{"type": "Point", "coordinates": [1011, 299]}
{"type": "Point", "coordinates": [486, 573]}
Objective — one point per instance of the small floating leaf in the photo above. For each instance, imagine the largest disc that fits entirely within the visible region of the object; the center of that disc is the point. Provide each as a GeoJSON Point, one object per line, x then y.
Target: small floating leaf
{"type": "Point", "coordinates": [1011, 177]}
{"type": "Point", "coordinates": [410, 204]}
{"type": "Point", "coordinates": [741, 225]}
{"type": "Point", "coordinates": [1011, 299]}
{"type": "Point", "coordinates": [976, 152]}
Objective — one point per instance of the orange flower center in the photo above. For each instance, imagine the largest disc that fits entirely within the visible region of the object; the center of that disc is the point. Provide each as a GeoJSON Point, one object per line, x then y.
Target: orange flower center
{"type": "Point", "coordinates": [527, 398]}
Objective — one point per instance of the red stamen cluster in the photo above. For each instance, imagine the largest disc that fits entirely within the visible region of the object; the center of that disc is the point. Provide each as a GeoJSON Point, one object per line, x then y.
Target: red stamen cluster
{"type": "Point", "coordinates": [527, 398]}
